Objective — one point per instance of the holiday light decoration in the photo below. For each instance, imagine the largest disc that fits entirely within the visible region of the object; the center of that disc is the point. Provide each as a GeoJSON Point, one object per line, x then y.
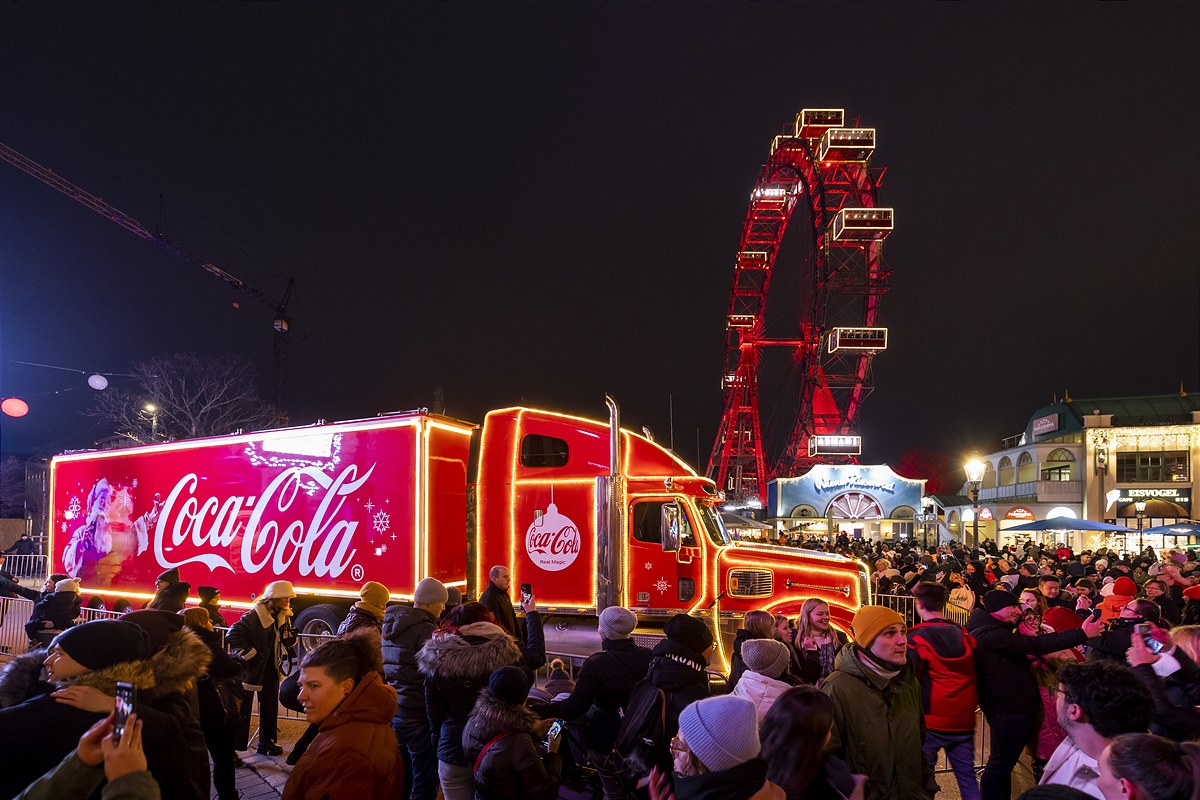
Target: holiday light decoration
{"type": "Point", "coordinates": [1150, 437]}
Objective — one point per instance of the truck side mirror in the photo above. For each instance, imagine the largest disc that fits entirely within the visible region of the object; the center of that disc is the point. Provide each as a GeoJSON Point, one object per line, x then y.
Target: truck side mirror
{"type": "Point", "coordinates": [670, 527]}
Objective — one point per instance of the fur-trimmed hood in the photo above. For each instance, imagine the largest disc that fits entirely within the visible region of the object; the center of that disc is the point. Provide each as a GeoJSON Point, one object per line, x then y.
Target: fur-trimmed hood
{"type": "Point", "coordinates": [477, 652]}
{"type": "Point", "coordinates": [174, 668]}
{"type": "Point", "coordinates": [492, 716]}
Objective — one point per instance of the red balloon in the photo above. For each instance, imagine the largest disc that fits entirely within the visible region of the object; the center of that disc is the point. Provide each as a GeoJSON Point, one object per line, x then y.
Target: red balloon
{"type": "Point", "coordinates": [14, 407]}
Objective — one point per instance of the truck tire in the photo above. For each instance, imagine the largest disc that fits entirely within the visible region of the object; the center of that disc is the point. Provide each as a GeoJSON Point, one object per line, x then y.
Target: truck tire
{"type": "Point", "coordinates": [122, 606]}
{"type": "Point", "coordinates": [316, 622]}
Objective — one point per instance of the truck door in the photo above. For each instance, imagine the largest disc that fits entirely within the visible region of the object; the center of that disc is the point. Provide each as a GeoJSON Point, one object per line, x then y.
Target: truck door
{"type": "Point", "coordinates": [660, 579]}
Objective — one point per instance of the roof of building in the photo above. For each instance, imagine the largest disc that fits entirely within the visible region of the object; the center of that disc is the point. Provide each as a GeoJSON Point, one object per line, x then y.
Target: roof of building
{"type": "Point", "coordinates": [1167, 409]}
{"type": "Point", "coordinates": [948, 500]}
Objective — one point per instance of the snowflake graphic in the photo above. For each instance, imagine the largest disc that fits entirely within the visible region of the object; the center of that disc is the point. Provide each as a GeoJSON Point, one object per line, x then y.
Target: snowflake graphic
{"type": "Point", "coordinates": [64, 527]}
{"type": "Point", "coordinates": [73, 508]}
{"type": "Point", "coordinates": [662, 585]}
{"type": "Point", "coordinates": [135, 483]}
{"type": "Point", "coordinates": [649, 566]}
{"type": "Point", "coordinates": [382, 549]}
{"type": "Point", "coordinates": [382, 521]}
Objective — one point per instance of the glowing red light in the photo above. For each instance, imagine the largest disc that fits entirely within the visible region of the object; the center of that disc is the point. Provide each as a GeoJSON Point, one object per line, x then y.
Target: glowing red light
{"type": "Point", "coordinates": [14, 407]}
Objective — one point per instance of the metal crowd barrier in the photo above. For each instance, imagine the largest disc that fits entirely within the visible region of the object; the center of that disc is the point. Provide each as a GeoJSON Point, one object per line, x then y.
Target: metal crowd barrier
{"type": "Point", "coordinates": [26, 568]}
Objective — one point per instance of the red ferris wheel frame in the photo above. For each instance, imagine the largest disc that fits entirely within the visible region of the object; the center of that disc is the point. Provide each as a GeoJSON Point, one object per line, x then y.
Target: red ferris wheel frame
{"type": "Point", "coordinates": [825, 165]}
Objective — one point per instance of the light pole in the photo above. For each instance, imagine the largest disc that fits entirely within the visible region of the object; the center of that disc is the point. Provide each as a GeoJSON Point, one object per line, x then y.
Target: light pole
{"type": "Point", "coordinates": [152, 410]}
{"type": "Point", "coordinates": [1140, 505]}
{"type": "Point", "coordinates": [975, 469]}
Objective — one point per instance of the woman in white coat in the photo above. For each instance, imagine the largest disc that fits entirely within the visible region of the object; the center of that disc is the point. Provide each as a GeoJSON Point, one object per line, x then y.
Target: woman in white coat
{"type": "Point", "coordinates": [766, 661]}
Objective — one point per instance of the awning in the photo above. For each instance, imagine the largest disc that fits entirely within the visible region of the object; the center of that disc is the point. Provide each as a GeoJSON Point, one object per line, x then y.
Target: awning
{"type": "Point", "coordinates": [732, 520]}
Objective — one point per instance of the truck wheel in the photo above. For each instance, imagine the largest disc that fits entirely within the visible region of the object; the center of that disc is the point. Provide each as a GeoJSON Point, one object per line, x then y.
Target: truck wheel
{"type": "Point", "coordinates": [317, 621]}
{"type": "Point", "coordinates": [122, 606]}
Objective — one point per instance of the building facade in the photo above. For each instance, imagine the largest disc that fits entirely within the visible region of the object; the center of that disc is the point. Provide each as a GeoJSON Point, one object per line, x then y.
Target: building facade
{"type": "Point", "coordinates": [862, 501]}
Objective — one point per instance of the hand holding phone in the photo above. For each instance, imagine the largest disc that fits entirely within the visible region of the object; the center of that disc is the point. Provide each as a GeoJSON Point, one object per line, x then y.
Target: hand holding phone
{"type": "Point", "coordinates": [124, 706]}
{"type": "Point", "coordinates": [552, 736]}
{"type": "Point", "coordinates": [1143, 630]}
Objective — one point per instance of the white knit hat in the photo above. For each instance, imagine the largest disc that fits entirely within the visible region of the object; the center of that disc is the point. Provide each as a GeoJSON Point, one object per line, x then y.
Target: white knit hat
{"type": "Point", "coordinates": [722, 731]}
{"type": "Point", "coordinates": [277, 590]}
{"type": "Point", "coordinates": [67, 585]}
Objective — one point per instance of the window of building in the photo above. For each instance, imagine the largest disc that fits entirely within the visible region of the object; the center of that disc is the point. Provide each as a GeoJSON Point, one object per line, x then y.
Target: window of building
{"type": "Point", "coordinates": [1026, 469]}
{"type": "Point", "coordinates": [1060, 473]}
{"type": "Point", "coordinates": [904, 529]}
{"type": "Point", "coordinates": [1006, 473]}
{"type": "Point", "coordinates": [1152, 467]}
{"type": "Point", "coordinates": [543, 451]}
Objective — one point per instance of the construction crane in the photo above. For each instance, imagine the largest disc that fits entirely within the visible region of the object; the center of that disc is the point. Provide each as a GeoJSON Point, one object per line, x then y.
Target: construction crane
{"type": "Point", "coordinates": [282, 321]}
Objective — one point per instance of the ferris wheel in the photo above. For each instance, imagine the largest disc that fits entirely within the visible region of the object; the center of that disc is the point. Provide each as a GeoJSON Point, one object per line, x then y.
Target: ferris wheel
{"type": "Point", "coordinates": [818, 308]}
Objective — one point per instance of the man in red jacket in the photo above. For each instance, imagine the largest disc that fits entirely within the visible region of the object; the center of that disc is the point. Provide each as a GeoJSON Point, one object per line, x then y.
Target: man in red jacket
{"type": "Point", "coordinates": [945, 660]}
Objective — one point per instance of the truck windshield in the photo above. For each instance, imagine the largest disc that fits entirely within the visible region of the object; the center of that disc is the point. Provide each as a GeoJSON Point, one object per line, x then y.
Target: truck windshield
{"type": "Point", "coordinates": [711, 522]}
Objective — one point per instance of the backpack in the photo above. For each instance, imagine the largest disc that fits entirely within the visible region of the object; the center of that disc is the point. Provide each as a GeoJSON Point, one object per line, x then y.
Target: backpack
{"type": "Point", "coordinates": [641, 738]}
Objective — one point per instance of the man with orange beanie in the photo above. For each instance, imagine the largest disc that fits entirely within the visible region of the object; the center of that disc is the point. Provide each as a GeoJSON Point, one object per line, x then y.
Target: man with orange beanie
{"type": "Point", "coordinates": [877, 715]}
{"type": "Point", "coordinates": [1123, 590]}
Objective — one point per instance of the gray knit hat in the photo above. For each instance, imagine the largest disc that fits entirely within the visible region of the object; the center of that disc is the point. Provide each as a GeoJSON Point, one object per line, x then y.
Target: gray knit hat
{"type": "Point", "coordinates": [430, 592]}
{"type": "Point", "coordinates": [765, 656]}
{"type": "Point", "coordinates": [721, 731]}
{"type": "Point", "coordinates": [617, 623]}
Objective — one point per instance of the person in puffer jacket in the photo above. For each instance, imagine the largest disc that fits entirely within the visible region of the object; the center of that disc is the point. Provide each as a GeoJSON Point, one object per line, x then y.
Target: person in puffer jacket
{"type": "Point", "coordinates": [945, 662]}
{"type": "Point", "coordinates": [405, 630]}
{"type": "Point", "coordinates": [456, 663]}
{"type": "Point", "coordinates": [766, 660]}
{"type": "Point", "coordinates": [499, 742]}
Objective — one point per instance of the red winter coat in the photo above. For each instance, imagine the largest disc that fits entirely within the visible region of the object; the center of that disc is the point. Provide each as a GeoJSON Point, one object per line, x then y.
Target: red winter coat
{"type": "Point", "coordinates": [946, 670]}
{"type": "Point", "coordinates": [355, 756]}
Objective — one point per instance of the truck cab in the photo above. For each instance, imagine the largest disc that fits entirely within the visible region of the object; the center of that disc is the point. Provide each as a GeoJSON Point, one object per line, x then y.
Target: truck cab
{"type": "Point", "coordinates": [589, 519]}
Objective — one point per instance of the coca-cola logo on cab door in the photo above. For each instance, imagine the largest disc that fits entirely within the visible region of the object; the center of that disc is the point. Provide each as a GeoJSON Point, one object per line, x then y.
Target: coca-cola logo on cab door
{"type": "Point", "coordinates": [552, 541]}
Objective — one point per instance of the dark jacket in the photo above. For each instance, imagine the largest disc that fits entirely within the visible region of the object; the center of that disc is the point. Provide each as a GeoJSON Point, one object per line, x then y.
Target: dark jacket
{"type": "Point", "coordinates": [456, 667]}
{"type": "Point", "coordinates": [1006, 683]}
{"type": "Point", "coordinates": [355, 754]}
{"type": "Point", "coordinates": [405, 630]}
{"type": "Point", "coordinates": [172, 598]}
{"type": "Point", "coordinates": [605, 682]}
{"type": "Point", "coordinates": [1113, 643]}
{"type": "Point", "coordinates": [736, 665]}
{"type": "Point", "coordinates": [746, 781]}
{"type": "Point", "coordinates": [10, 588]}
{"type": "Point", "coordinates": [22, 547]}
{"type": "Point", "coordinates": [1168, 609]}
{"type": "Point", "coordinates": [358, 620]}
{"type": "Point", "coordinates": [511, 767]}
{"type": "Point", "coordinates": [61, 609]}
{"type": "Point", "coordinates": [165, 702]}
{"type": "Point", "coordinates": [256, 642]}
{"type": "Point", "coordinates": [877, 728]}
{"type": "Point", "coordinates": [215, 715]}
{"type": "Point", "coordinates": [810, 660]}
{"type": "Point", "coordinates": [214, 614]}
{"type": "Point", "coordinates": [497, 601]}
{"type": "Point", "coordinates": [679, 672]}
{"type": "Point", "coordinates": [945, 665]}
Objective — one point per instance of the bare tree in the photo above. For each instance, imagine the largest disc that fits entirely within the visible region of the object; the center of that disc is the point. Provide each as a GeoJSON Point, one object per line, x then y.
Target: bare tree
{"type": "Point", "coordinates": [12, 488]}
{"type": "Point", "coordinates": [184, 396]}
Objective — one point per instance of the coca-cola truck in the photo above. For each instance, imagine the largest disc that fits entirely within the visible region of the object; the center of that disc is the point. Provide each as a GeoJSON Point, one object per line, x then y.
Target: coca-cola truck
{"type": "Point", "coordinates": [588, 518]}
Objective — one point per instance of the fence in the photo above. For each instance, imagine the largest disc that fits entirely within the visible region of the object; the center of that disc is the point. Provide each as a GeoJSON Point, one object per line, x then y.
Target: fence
{"type": "Point", "coordinates": [906, 606]}
{"type": "Point", "coordinates": [20, 567]}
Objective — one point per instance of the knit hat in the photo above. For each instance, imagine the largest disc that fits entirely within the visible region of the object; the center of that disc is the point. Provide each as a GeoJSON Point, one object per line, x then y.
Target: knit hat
{"type": "Point", "coordinates": [617, 623]}
{"type": "Point", "coordinates": [510, 685]}
{"type": "Point", "coordinates": [104, 642]}
{"type": "Point", "coordinates": [1010, 580]}
{"type": "Point", "coordinates": [765, 656]}
{"type": "Point", "coordinates": [374, 598]}
{"type": "Point", "coordinates": [1125, 587]}
{"type": "Point", "coordinates": [689, 632]}
{"type": "Point", "coordinates": [170, 576]}
{"type": "Point", "coordinates": [869, 622]}
{"type": "Point", "coordinates": [160, 625]}
{"type": "Point", "coordinates": [277, 590]}
{"type": "Point", "coordinates": [1179, 558]}
{"type": "Point", "coordinates": [722, 731]}
{"type": "Point", "coordinates": [59, 576]}
{"type": "Point", "coordinates": [453, 597]}
{"type": "Point", "coordinates": [430, 592]}
{"type": "Point", "coordinates": [1192, 592]}
{"type": "Point", "coordinates": [1062, 619]}
{"type": "Point", "coordinates": [67, 585]}
{"type": "Point", "coordinates": [998, 600]}
{"type": "Point", "coordinates": [208, 593]}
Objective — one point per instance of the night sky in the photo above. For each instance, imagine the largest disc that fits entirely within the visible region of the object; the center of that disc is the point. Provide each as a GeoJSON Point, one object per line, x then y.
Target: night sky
{"type": "Point", "coordinates": [540, 203]}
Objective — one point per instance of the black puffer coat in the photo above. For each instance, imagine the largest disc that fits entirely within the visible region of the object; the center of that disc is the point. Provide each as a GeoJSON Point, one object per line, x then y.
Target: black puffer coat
{"type": "Point", "coordinates": [39, 731]}
{"type": "Point", "coordinates": [605, 681]}
{"type": "Point", "coordinates": [1006, 683]}
{"type": "Point", "coordinates": [171, 598]}
{"type": "Point", "coordinates": [60, 608]}
{"type": "Point", "coordinates": [215, 713]}
{"type": "Point", "coordinates": [357, 619]}
{"type": "Point", "coordinates": [457, 666]}
{"type": "Point", "coordinates": [511, 767]}
{"type": "Point", "coordinates": [405, 631]}
{"type": "Point", "coordinates": [679, 672]}
{"type": "Point", "coordinates": [254, 634]}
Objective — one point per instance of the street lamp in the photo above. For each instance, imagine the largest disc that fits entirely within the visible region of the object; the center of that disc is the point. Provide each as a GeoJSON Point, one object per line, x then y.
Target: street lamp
{"type": "Point", "coordinates": [152, 410]}
{"type": "Point", "coordinates": [975, 469]}
{"type": "Point", "coordinates": [1140, 505]}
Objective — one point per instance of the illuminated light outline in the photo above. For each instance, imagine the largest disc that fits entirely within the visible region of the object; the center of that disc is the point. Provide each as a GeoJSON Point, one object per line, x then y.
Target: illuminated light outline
{"type": "Point", "coordinates": [802, 121]}
{"type": "Point", "coordinates": [835, 343]}
{"type": "Point", "coordinates": [701, 540]}
{"type": "Point", "coordinates": [826, 144]}
{"type": "Point", "coordinates": [838, 231]}
{"type": "Point", "coordinates": [1149, 436]}
{"type": "Point", "coordinates": [430, 425]}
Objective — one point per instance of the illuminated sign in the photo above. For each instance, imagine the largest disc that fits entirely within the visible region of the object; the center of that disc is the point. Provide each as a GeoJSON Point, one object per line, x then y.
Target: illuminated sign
{"type": "Point", "coordinates": [835, 445]}
{"type": "Point", "coordinates": [985, 513]}
{"type": "Point", "coordinates": [1019, 512]}
{"type": "Point", "coordinates": [1133, 495]}
{"type": "Point", "coordinates": [1045, 424]}
{"type": "Point", "coordinates": [858, 339]}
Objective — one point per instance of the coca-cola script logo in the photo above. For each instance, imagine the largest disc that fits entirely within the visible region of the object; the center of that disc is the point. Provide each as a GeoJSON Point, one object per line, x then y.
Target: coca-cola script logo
{"type": "Point", "coordinates": [322, 546]}
{"type": "Point", "coordinates": [552, 541]}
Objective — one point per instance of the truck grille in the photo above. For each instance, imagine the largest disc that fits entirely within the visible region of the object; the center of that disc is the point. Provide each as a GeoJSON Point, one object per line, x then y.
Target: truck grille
{"type": "Point", "coordinates": [750, 583]}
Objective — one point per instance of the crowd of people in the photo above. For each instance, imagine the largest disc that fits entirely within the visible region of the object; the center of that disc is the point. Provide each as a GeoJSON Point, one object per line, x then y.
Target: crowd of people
{"type": "Point", "coordinates": [1086, 664]}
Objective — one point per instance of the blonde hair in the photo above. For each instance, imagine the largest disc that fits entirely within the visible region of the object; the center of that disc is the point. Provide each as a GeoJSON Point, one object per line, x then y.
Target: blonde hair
{"type": "Point", "coordinates": [804, 628]}
{"type": "Point", "coordinates": [196, 618]}
{"type": "Point", "coordinates": [1187, 637]}
{"type": "Point", "coordinates": [760, 624]}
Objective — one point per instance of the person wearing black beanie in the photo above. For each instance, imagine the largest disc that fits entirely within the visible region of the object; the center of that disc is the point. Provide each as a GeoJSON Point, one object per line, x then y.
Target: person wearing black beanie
{"type": "Point", "coordinates": [84, 664]}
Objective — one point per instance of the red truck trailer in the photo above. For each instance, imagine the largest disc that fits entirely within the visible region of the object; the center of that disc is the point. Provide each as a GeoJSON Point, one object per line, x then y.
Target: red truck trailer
{"type": "Point", "coordinates": [588, 518]}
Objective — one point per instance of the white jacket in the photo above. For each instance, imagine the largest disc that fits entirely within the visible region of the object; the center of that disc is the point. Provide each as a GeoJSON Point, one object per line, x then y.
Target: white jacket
{"type": "Point", "coordinates": [760, 690]}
